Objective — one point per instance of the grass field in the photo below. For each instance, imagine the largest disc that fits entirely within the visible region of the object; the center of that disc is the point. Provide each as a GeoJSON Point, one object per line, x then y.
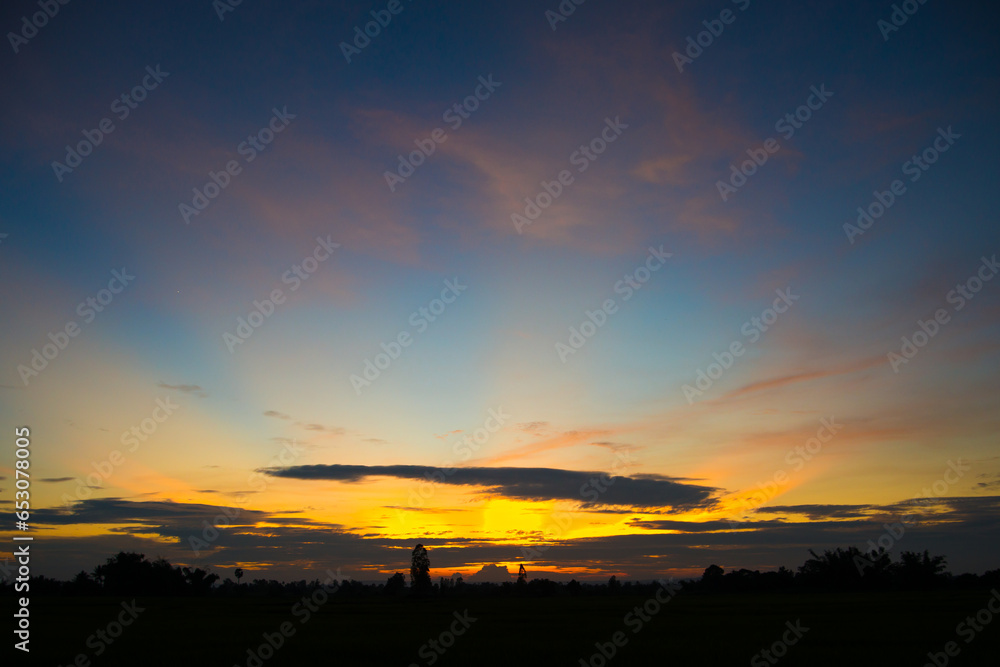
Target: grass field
{"type": "Point", "coordinates": [691, 629]}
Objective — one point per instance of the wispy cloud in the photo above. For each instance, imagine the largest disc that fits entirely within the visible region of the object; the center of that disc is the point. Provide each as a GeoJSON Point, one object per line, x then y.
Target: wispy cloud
{"type": "Point", "coordinates": [192, 389]}
{"type": "Point", "coordinates": [324, 429]}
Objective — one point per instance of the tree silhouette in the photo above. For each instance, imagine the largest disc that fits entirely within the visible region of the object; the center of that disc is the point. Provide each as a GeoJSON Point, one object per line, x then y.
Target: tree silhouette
{"type": "Point", "coordinates": [239, 574]}
{"type": "Point", "coordinates": [712, 571]}
{"type": "Point", "coordinates": [129, 573]}
{"type": "Point", "coordinates": [420, 569]}
{"type": "Point", "coordinates": [711, 579]}
{"type": "Point", "coordinates": [121, 571]}
{"type": "Point", "coordinates": [395, 584]}
{"type": "Point", "coordinates": [919, 570]}
{"type": "Point", "coordinates": [199, 581]}
{"type": "Point", "coordinates": [847, 568]}
{"type": "Point", "coordinates": [84, 583]}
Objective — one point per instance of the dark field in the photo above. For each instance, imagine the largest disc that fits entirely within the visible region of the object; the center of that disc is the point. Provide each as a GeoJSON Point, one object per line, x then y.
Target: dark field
{"type": "Point", "coordinates": [691, 629]}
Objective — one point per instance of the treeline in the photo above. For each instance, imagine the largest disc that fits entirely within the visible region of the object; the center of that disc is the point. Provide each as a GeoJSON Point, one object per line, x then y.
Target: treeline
{"type": "Point", "coordinates": [131, 574]}
{"type": "Point", "coordinates": [848, 569]}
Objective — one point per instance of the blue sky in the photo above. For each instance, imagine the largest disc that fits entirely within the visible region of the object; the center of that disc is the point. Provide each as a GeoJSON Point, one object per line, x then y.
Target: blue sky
{"type": "Point", "coordinates": [323, 176]}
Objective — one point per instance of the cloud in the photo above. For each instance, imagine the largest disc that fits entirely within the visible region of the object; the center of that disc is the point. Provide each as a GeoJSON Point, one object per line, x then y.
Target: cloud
{"type": "Point", "coordinates": [964, 508]}
{"type": "Point", "coordinates": [532, 427]}
{"type": "Point", "coordinates": [966, 529]}
{"type": "Point", "coordinates": [988, 485]}
{"type": "Point", "coordinates": [193, 389]}
{"type": "Point", "coordinates": [324, 429]}
{"type": "Point", "coordinates": [817, 512]}
{"type": "Point", "coordinates": [309, 427]}
{"type": "Point", "coordinates": [496, 574]}
{"type": "Point", "coordinates": [806, 376]}
{"type": "Point", "coordinates": [166, 517]}
{"type": "Point", "coordinates": [287, 547]}
{"type": "Point", "coordinates": [287, 544]}
{"type": "Point", "coordinates": [590, 488]}
{"type": "Point", "coordinates": [562, 440]}
{"type": "Point", "coordinates": [429, 510]}
{"type": "Point", "coordinates": [701, 526]}
{"type": "Point", "coordinates": [54, 480]}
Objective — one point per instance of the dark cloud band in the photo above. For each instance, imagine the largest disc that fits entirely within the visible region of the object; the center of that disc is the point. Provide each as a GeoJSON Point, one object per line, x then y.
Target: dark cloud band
{"type": "Point", "coordinates": [589, 488]}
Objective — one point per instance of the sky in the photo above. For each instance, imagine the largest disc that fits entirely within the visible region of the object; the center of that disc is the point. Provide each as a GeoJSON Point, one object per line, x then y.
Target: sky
{"type": "Point", "coordinates": [613, 289]}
